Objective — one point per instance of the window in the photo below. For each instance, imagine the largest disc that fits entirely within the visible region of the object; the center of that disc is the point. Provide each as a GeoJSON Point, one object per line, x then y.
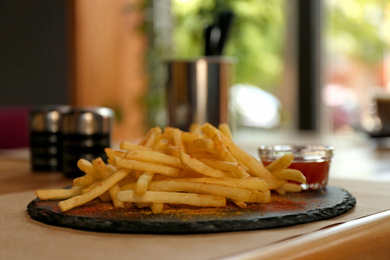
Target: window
{"type": "Point", "coordinates": [345, 60]}
{"type": "Point", "coordinates": [357, 61]}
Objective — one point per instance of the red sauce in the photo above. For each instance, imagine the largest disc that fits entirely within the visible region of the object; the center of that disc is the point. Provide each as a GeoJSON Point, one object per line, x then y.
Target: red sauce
{"type": "Point", "coordinates": [316, 173]}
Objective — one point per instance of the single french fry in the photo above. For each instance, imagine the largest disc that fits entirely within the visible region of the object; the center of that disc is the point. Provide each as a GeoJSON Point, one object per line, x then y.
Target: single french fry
{"type": "Point", "coordinates": [100, 166]}
{"type": "Point", "coordinates": [112, 161]}
{"type": "Point", "coordinates": [59, 194]}
{"type": "Point", "coordinates": [222, 165]}
{"type": "Point", "coordinates": [106, 196]}
{"type": "Point", "coordinates": [150, 137]}
{"type": "Point", "coordinates": [128, 179]}
{"type": "Point", "coordinates": [221, 149]}
{"type": "Point", "coordinates": [91, 174]}
{"type": "Point", "coordinates": [106, 172]}
{"type": "Point", "coordinates": [161, 145]}
{"type": "Point", "coordinates": [127, 146]}
{"type": "Point", "coordinates": [103, 186]}
{"type": "Point", "coordinates": [290, 175]}
{"type": "Point", "coordinates": [281, 190]}
{"type": "Point", "coordinates": [292, 187]}
{"type": "Point", "coordinates": [200, 167]}
{"type": "Point", "coordinates": [143, 183]}
{"type": "Point", "coordinates": [281, 163]}
{"type": "Point", "coordinates": [188, 173]}
{"type": "Point", "coordinates": [195, 128]}
{"type": "Point", "coordinates": [202, 145]}
{"type": "Point", "coordinates": [111, 153]}
{"type": "Point", "coordinates": [128, 186]}
{"type": "Point", "coordinates": [168, 132]}
{"type": "Point", "coordinates": [240, 204]}
{"type": "Point", "coordinates": [161, 137]}
{"type": "Point", "coordinates": [157, 207]}
{"type": "Point", "coordinates": [154, 157]}
{"type": "Point", "coordinates": [200, 200]}
{"type": "Point", "coordinates": [147, 167]}
{"type": "Point", "coordinates": [137, 173]}
{"type": "Point", "coordinates": [177, 139]}
{"type": "Point", "coordinates": [90, 187]}
{"type": "Point", "coordinates": [174, 151]}
{"type": "Point", "coordinates": [111, 168]}
{"type": "Point", "coordinates": [235, 193]}
{"type": "Point", "coordinates": [250, 183]}
{"type": "Point", "coordinates": [225, 129]}
{"type": "Point", "coordinates": [113, 192]}
{"type": "Point", "coordinates": [219, 164]}
{"type": "Point", "coordinates": [88, 168]}
{"type": "Point", "coordinates": [209, 130]}
{"type": "Point", "coordinates": [189, 137]}
{"type": "Point", "coordinates": [203, 155]}
{"type": "Point", "coordinates": [84, 180]}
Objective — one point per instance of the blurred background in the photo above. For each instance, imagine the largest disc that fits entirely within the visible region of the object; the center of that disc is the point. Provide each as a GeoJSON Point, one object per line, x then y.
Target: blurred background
{"type": "Point", "coordinates": [303, 65]}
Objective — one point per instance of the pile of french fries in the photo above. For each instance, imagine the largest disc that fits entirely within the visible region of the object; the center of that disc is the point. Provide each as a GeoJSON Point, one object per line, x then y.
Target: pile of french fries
{"type": "Point", "coordinates": [202, 167]}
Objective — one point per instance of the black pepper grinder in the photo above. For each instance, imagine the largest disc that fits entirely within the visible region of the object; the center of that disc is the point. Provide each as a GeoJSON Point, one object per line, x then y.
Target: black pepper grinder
{"type": "Point", "coordinates": [86, 132]}
{"type": "Point", "coordinates": [45, 138]}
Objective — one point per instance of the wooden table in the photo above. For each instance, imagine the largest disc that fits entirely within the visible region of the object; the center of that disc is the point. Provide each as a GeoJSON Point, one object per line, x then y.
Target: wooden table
{"type": "Point", "coordinates": [362, 233]}
{"type": "Point", "coordinates": [16, 175]}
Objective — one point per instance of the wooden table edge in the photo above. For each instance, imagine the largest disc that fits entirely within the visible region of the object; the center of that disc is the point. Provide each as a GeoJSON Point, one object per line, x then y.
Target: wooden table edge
{"type": "Point", "coordinates": [363, 238]}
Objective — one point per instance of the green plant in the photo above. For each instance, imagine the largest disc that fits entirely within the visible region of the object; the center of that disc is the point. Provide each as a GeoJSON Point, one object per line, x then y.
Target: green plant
{"type": "Point", "coordinates": [256, 39]}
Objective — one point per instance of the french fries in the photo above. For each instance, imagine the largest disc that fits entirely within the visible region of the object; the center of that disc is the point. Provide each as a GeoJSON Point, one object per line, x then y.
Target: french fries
{"type": "Point", "coordinates": [202, 167]}
{"type": "Point", "coordinates": [59, 194]}
{"type": "Point", "coordinates": [193, 199]}
{"type": "Point", "coordinates": [226, 191]}
{"type": "Point", "coordinates": [103, 186]}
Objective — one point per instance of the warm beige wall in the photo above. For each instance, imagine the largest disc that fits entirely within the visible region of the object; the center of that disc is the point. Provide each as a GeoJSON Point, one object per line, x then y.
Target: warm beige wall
{"type": "Point", "coordinates": [109, 50]}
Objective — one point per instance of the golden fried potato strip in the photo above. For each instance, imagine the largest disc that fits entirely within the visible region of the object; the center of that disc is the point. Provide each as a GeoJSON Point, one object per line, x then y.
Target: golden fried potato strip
{"type": "Point", "coordinates": [200, 167]}
{"type": "Point", "coordinates": [147, 166]}
{"type": "Point", "coordinates": [59, 194]}
{"type": "Point", "coordinates": [103, 186]}
{"type": "Point", "coordinates": [280, 163]}
{"type": "Point", "coordinates": [230, 192]}
{"type": "Point", "coordinates": [193, 199]}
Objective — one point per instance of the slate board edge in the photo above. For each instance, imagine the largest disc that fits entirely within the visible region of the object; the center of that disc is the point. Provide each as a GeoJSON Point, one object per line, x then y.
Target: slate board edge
{"type": "Point", "coordinates": [144, 227]}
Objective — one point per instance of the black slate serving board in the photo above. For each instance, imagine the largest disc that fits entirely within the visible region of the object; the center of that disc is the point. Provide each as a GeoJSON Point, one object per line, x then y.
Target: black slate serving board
{"type": "Point", "coordinates": [289, 210]}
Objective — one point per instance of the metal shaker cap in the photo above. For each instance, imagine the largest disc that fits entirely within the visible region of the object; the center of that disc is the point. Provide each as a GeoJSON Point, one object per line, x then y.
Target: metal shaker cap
{"type": "Point", "coordinates": [87, 120]}
{"type": "Point", "coordinates": [46, 118]}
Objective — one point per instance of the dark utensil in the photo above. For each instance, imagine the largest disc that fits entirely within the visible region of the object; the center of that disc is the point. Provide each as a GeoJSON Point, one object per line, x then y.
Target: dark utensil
{"type": "Point", "coordinates": [216, 35]}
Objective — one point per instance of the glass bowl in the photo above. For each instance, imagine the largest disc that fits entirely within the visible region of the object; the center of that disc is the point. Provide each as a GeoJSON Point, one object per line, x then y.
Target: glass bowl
{"type": "Point", "coordinates": [312, 160]}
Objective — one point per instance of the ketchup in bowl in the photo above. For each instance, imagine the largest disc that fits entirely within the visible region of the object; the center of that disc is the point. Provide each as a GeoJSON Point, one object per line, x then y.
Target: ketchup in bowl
{"type": "Point", "coordinates": [312, 160]}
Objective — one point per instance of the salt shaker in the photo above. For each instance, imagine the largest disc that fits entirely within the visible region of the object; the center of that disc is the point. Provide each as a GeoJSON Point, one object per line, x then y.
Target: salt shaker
{"type": "Point", "coordinates": [86, 132]}
{"type": "Point", "coordinates": [45, 138]}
